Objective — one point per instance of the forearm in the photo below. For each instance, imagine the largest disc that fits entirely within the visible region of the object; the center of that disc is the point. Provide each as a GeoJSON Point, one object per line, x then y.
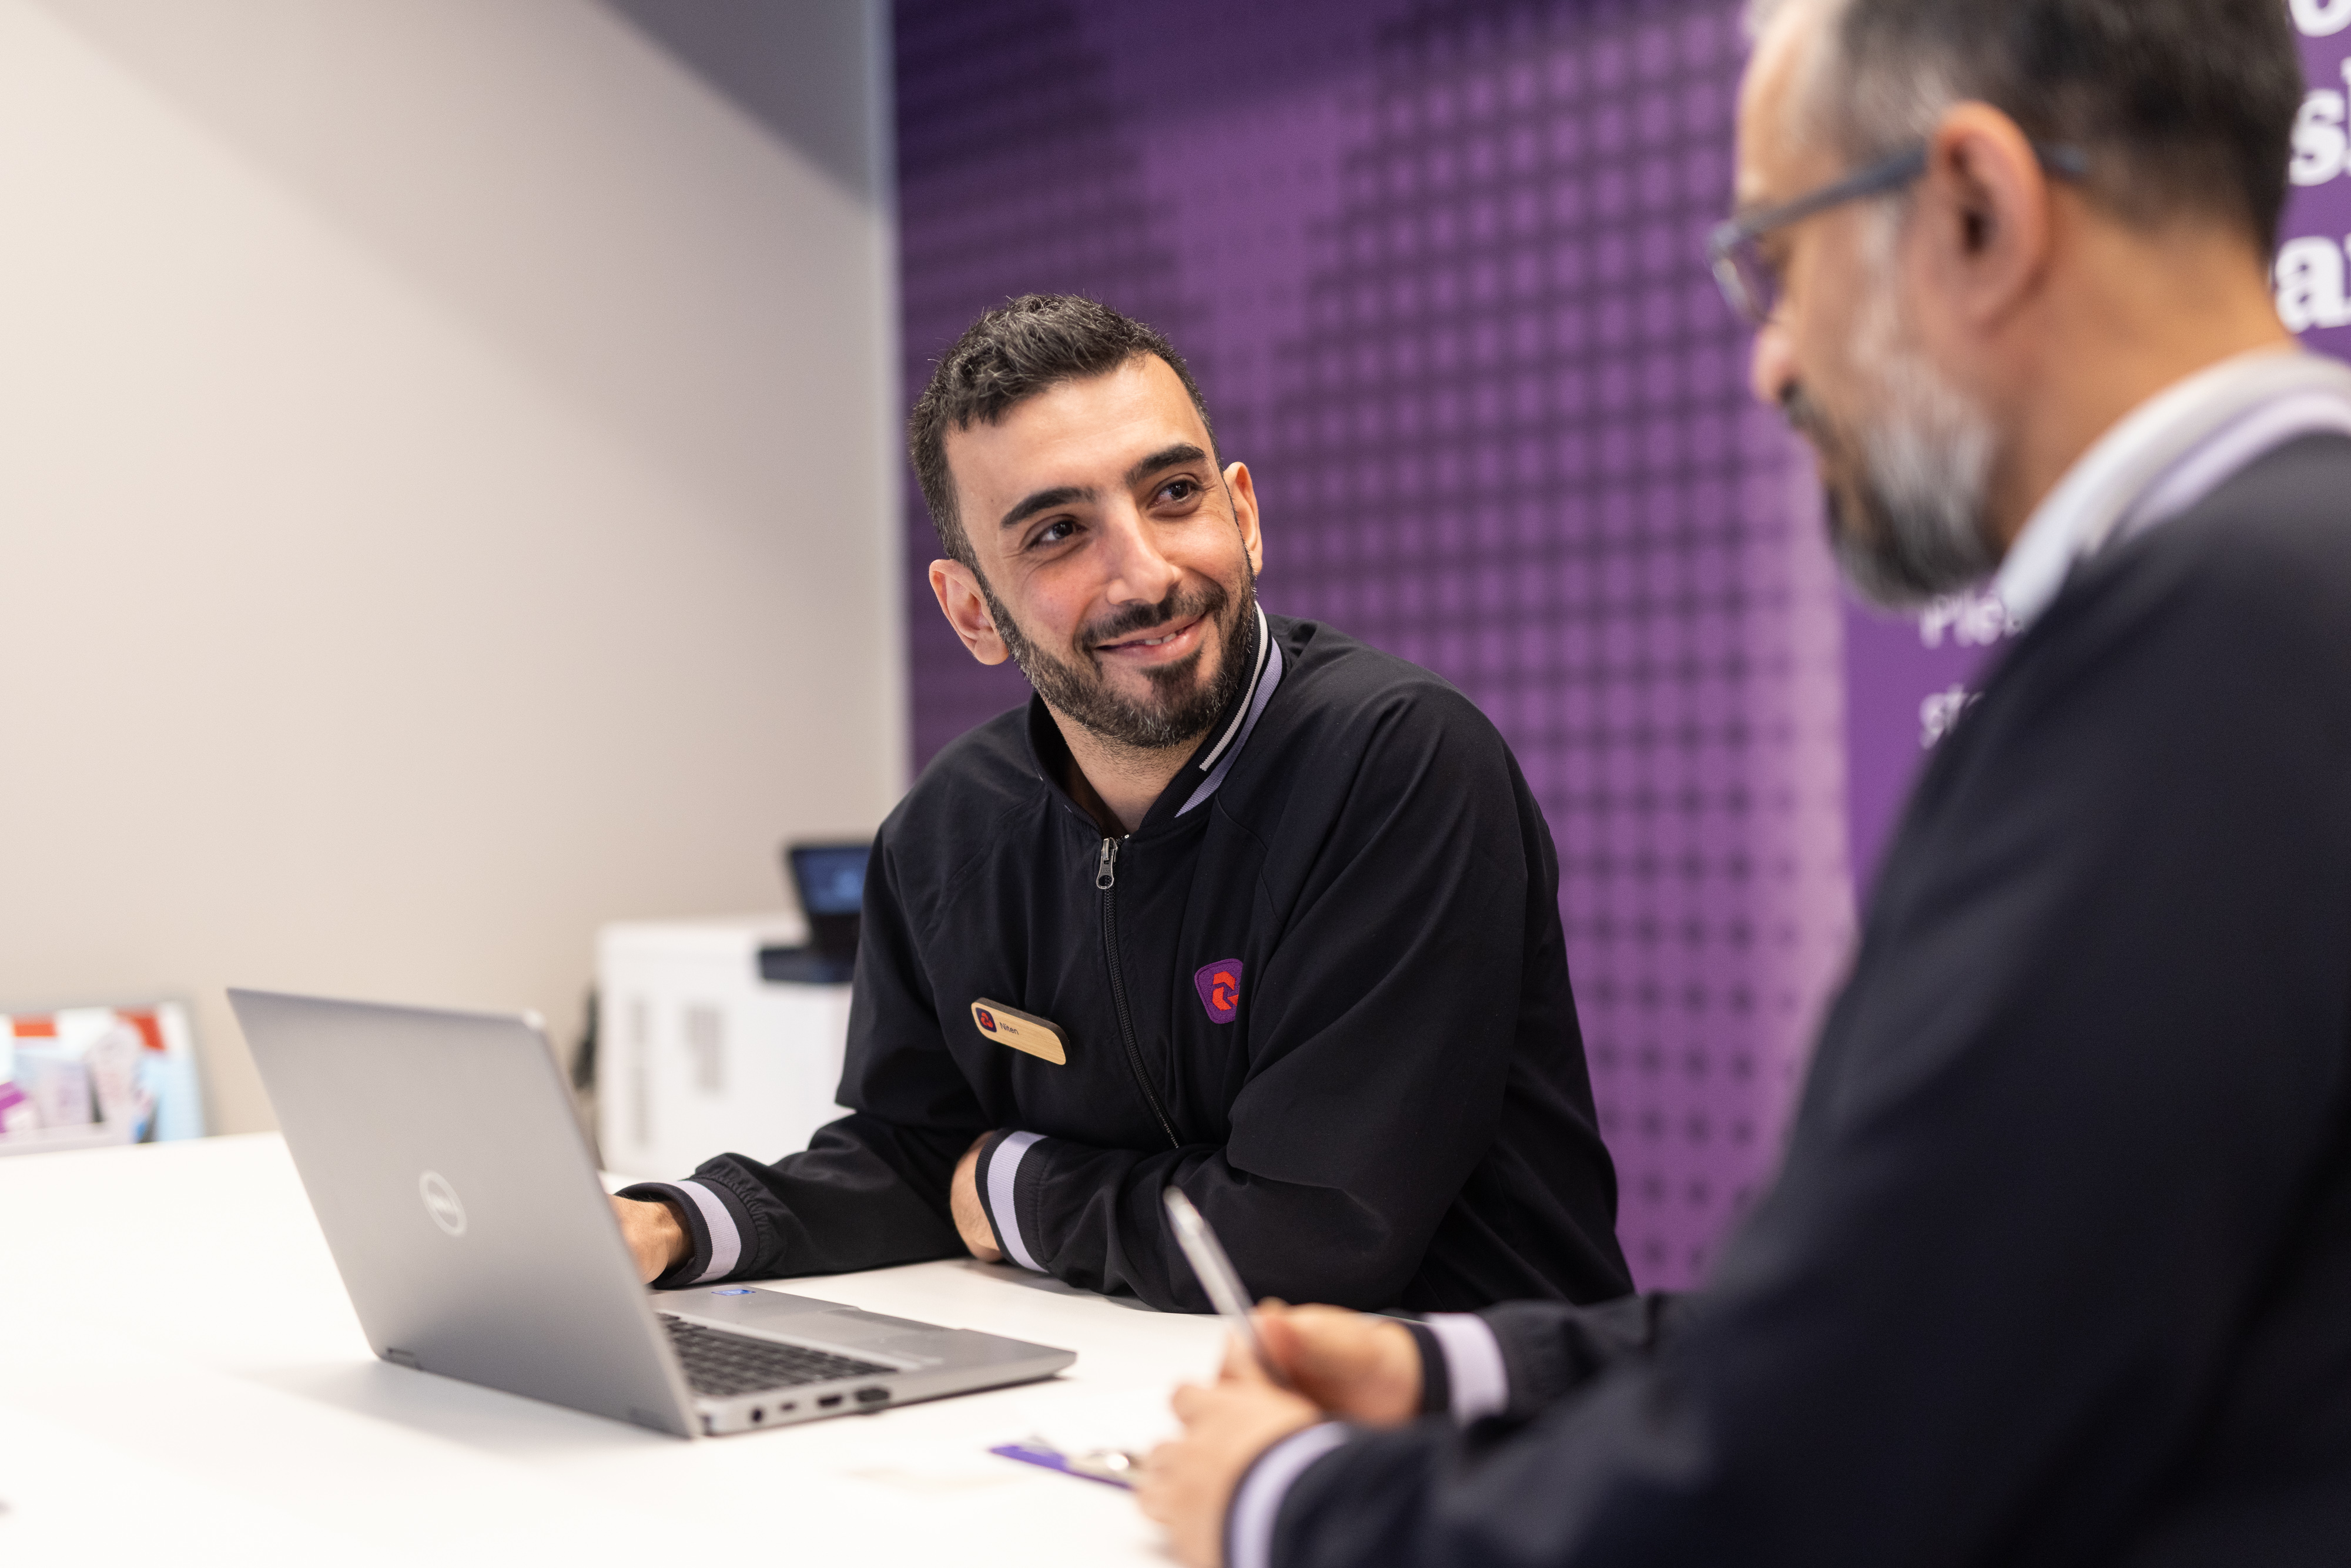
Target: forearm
{"type": "Point", "coordinates": [1425, 1382]}
{"type": "Point", "coordinates": [1092, 1217]}
{"type": "Point", "coordinates": [867, 1194]}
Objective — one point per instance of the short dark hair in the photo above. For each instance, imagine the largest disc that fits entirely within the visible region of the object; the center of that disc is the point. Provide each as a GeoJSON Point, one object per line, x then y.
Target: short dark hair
{"type": "Point", "coordinates": [2185, 106]}
{"type": "Point", "coordinates": [1010, 354]}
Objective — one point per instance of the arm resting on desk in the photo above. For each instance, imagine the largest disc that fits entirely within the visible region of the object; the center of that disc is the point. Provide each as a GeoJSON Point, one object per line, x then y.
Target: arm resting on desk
{"type": "Point", "coordinates": [865, 1193]}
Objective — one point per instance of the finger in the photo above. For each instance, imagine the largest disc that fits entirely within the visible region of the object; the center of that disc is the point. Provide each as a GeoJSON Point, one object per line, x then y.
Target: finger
{"type": "Point", "coordinates": [1188, 1401]}
{"type": "Point", "coordinates": [1279, 1331]}
{"type": "Point", "coordinates": [1240, 1365]}
{"type": "Point", "coordinates": [1152, 1488]}
{"type": "Point", "coordinates": [1320, 1337]}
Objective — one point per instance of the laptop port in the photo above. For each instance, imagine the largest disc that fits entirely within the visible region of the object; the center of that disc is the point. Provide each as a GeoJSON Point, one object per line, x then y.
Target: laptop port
{"type": "Point", "coordinates": [871, 1395]}
{"type": "Point", "coordinates": [829, 1401]}
{"type": "Point", "coordinates": [758, 1415]}
{"type": "Point", "coordinates": [786, 1409]}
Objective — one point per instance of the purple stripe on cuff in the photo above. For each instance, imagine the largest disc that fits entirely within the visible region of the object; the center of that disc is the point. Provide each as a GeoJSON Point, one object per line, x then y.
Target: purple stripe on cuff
{"type": "Point", "coordinates": [1003, 1171]}
{"type": "Point", "coordinates": [1256, 1503]}
{"type": "Point", "coordinates": [726, 1241]}
{"type": "Point", "coordinates": [1473, 1364]}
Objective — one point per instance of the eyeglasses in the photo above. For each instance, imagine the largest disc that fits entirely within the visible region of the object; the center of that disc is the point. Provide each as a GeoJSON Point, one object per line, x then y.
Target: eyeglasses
{"type": "Point", "coordinates": [1735, 251]}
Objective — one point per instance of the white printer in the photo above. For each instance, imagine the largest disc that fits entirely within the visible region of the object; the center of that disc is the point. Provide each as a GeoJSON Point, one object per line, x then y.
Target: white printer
{"type": "Point", "coordinates": [725, 1035]}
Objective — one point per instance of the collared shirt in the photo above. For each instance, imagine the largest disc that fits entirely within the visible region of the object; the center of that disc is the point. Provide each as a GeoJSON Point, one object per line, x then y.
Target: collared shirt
{"type": "Point", "coordinates": [2166, 456]}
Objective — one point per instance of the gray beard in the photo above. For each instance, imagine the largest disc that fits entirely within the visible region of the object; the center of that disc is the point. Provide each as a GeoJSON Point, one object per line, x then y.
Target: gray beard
{"type": "Point", "coordinates": [1911, 528]}
{"type": "Point", "coordinates": [1181, 706]}
{"type": "Point", "coordinates": [1911, 524]}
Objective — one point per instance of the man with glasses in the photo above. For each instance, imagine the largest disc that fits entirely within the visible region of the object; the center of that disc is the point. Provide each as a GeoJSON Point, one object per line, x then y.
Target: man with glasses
{"type": "Point", "coordinates": [2058, 1266]}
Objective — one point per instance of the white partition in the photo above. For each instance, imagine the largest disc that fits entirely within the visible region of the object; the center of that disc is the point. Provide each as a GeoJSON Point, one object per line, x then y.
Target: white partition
{"type": "Point", "coordinates": [450, 498]}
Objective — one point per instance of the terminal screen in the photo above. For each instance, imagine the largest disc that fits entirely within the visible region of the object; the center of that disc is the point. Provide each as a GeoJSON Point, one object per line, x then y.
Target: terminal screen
{"type": "Point", "coordinates": [830, 877]}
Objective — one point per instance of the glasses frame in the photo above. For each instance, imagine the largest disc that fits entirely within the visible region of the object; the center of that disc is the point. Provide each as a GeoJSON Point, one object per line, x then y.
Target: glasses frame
{"type": "Point", "coordinates": [1733, 252]}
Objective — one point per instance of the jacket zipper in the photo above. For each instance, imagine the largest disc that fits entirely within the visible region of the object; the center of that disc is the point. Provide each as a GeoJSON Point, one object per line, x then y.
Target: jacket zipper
{"type": "Point", "coordinates": [1106, 881]}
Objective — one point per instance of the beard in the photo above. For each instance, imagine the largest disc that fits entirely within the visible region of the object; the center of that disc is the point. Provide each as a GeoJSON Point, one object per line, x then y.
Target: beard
{"type": "Point", "coordinates": [1181, 703]}
{"type": "Point", "coordinates": [1907, 492]}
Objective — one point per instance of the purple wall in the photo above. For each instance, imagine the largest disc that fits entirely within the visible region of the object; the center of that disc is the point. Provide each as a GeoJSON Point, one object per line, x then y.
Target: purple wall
{"type": "Point", "coordinates": [1439, 268]}
{"type": "Point", "coordinates": [2320, 215]}
{"type": "Point", "coordinates": [1437, 264]}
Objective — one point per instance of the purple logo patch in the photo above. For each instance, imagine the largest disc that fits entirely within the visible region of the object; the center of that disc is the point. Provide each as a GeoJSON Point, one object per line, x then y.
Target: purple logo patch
{"type": "Point", "coordinates": [1219, 985]}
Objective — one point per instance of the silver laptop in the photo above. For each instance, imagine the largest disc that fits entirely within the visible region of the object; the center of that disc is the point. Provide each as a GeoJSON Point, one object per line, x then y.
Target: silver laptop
{"type": "Point", "coordinates": [464, 1209]}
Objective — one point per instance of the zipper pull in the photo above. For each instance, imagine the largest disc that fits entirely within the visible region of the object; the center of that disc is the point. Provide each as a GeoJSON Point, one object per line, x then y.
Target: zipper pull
{"type": "Point", "coordinates": [1106, 871]}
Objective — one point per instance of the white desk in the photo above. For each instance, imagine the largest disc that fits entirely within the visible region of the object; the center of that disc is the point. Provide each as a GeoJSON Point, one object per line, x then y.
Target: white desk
{"type": "Point", "coordinates": [182, 1379]}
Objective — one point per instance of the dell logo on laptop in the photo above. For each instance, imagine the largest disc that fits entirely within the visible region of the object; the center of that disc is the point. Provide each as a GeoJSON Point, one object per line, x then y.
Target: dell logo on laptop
{"type": "Point", "coordinates": [441, 1202]}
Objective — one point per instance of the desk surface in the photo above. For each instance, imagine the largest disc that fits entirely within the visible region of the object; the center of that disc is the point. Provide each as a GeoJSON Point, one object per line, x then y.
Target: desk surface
{"type": "Point", "coordinates": [180, 1368]}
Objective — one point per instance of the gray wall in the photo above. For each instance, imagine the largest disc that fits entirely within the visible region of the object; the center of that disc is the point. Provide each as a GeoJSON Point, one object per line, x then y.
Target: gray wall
{"type": "Point", "coordinates": [449, 491]}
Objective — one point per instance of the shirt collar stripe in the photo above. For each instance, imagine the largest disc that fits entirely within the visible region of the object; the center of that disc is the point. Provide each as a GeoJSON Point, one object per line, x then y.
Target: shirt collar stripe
{"type": "Point", "coordinates": [2138, 458]}
{"type": "Point", "coordinates": [1257, 674]}
{"type": "Point", "coordinates": [1256, 709]}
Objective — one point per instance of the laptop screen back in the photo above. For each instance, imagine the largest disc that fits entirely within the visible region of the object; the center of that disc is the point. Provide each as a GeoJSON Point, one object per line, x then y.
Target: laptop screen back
{"type": "Point", "coordinates": [440, 1152]}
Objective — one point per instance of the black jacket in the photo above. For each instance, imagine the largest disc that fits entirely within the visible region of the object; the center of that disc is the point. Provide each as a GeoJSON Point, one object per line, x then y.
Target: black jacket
{"type": "Point", "coordinates": [1329, 1001]}
{"type": "Point", "coordinates": [2058, 1270]}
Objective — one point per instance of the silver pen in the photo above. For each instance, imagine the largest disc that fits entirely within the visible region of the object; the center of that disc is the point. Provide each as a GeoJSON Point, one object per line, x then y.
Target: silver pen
{"type": "Point", "coordinates": [1223, 1286]}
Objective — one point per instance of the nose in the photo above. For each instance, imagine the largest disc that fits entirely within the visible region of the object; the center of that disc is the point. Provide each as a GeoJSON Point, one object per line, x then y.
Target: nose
{"type": "Point", "coordinates": [1772, 367]}
{"type": "Point", "coordinates": [1139, 572]}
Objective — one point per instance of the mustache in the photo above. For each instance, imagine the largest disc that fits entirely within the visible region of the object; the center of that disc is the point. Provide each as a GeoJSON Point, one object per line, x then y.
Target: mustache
{"type": "Point", "coordinates": [1180, 604]}
{"type": "Point", "coordinates": [1806, 419]}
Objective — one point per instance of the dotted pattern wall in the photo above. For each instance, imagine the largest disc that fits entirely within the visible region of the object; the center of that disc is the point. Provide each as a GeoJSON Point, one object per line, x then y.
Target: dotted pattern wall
{"type": "Point", "coordinates": [1437, 265]}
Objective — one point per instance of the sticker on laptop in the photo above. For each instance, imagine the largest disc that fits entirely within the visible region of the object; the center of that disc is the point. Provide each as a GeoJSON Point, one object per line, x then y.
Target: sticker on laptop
{"type": "Point", "coordinates": [1039, 1038]}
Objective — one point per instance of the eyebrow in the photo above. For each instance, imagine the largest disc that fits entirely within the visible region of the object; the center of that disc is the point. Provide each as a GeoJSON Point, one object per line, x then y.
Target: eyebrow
{"type": "Point", "coordinates": [1062, 496]}
{"type": "Point", "coordinates": [1044, 500]}
{"type": "Point", "coordinates": [1166, 457]}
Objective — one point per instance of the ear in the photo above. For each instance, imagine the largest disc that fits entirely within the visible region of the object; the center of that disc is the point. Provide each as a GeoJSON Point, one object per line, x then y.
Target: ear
{"type": "Point", "coordinates": [1986, 202]}
{"type": "Point", "coordinates": [1242, 489]}
{"type": "Point", "coordinates": [965, 608]}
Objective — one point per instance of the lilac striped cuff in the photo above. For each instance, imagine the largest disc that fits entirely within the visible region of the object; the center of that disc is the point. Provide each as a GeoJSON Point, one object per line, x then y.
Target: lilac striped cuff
{"type": "Point", "coordinates": [1474, 1372]}
{"type": "Point", "coordinates": [726, 1241]}
{"type": "Point", "coordinates": [1256, 1503]}
{"type": "Point", "coordinates": [1003, 1174]}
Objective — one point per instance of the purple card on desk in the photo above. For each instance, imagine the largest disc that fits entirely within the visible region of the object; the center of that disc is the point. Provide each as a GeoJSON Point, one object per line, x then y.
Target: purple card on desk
{"type": "Point", "coordinates": [1110, 1467]}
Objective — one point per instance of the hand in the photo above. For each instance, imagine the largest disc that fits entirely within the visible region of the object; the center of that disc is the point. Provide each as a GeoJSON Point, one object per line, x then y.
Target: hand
{"type": "Point", "coordinates": [1187, 1485]}
{"type": "Point", "coordinates": [1364, 1368]}
{"type": "Point", "coordinates": [656, 1240]}
{"type": "Point", "coordinates": [963, 1202]}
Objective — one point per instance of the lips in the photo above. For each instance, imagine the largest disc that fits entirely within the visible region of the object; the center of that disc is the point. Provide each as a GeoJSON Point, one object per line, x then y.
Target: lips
{"type": "Point", "coordinates": [1160, 638]}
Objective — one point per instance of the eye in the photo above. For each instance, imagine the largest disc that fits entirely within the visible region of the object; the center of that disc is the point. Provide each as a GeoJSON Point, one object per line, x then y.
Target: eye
{"type": "Point", "coordinates": [1179, 490]}
{"type": "Point", "coordinates": [1054, 532]}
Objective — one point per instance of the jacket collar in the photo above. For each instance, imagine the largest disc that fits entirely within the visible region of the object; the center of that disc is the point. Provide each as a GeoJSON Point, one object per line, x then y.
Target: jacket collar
{"type": "Point", "coordinates": [2166, 456]}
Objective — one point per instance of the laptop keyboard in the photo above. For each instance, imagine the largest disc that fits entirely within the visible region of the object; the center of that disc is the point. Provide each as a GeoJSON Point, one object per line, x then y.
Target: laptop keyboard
{"type": "Point", "coordinates": [723, 1365]}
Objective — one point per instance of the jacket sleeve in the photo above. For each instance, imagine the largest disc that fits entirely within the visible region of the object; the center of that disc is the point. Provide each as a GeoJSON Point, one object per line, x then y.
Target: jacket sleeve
{"type": "Point", "coordinates": [1381, 1037]}
{"type": "Point", "coordinates": [2065, 1122]}
{"type": "Point", "coordinates": [1512, 1362]}
{"type": "Point", "coordinates": [871, 1190]}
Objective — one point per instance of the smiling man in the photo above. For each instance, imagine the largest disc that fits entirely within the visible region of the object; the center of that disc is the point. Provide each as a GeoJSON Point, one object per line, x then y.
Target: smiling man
{"type": "Point", "coordinates": [1235, 903]}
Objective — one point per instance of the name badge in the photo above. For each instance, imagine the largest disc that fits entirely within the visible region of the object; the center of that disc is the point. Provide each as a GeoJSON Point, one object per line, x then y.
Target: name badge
{"type": "Point", "coordinates": [1041, 1037]}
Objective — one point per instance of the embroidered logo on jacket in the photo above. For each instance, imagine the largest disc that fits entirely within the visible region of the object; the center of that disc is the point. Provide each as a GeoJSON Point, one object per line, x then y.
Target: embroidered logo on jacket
{"type": "Point", "coordinates": [1219, 985]}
